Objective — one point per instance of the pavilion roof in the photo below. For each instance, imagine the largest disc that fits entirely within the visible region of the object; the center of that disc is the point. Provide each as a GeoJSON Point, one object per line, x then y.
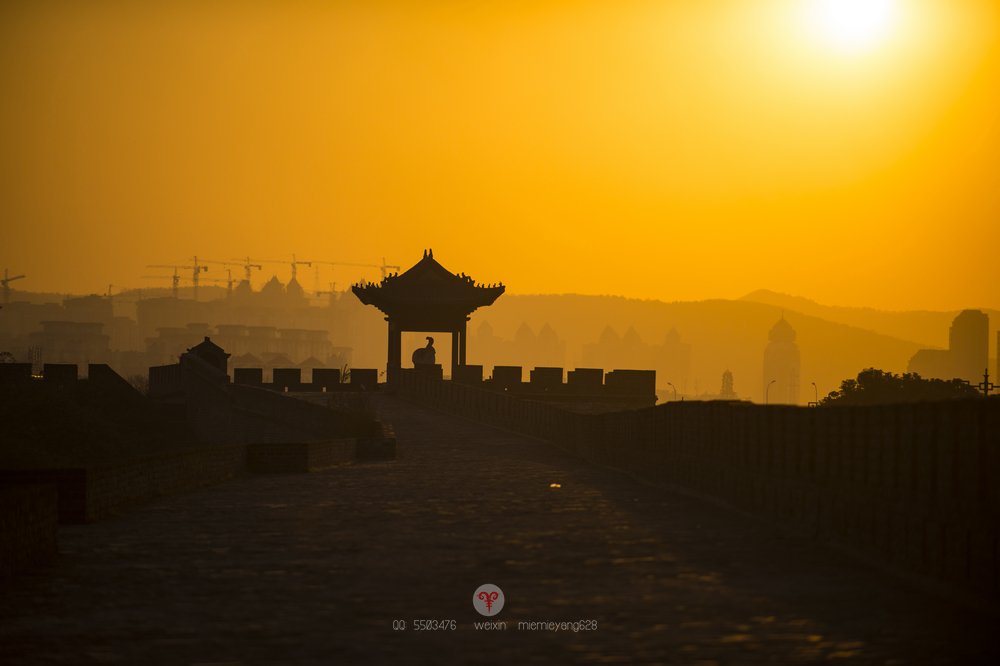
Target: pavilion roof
{"type": "Point", "coordinates": [427, 283]}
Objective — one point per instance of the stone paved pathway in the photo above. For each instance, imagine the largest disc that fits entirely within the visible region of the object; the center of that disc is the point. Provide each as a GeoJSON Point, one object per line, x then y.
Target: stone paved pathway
{"type": "Point", "coordinates": [314, 569]}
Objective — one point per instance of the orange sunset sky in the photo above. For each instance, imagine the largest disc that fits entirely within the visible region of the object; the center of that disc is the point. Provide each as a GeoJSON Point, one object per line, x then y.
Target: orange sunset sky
{"type": "Point", "coordinates": [678, 149]}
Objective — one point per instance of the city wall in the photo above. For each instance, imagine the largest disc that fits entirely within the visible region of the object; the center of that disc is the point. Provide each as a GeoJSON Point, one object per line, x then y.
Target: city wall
{"type": "Point", "coordinates": [915, 487]}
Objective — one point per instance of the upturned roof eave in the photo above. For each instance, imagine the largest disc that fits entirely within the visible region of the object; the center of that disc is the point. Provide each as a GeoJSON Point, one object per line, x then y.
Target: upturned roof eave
{"type": "Point", "coordinates": [378, 296]}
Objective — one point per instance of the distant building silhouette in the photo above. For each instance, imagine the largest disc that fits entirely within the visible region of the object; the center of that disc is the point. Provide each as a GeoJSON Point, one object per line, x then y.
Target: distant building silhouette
{"type": "Point", "coordinates": [525, 343]}
{"type": "Point", "coordinates": [671, 360]}
{"type": "Point", "coordinates": [71, 342]}
{"type": "Point", "coordinates": [932, 364]}
{"type": "Point", "coordinates": [295, 292]}
{"type": "Point", "coordinates": [527, 349]}
{"type": "Point", "coordinates": [543, 350]}
{"type": "Point", "coordinates": [782, 365]}
{"type": "Point", "coordinates": [278, 319]}
{"type": "Point", "coordinates": [274, 294]}
{"type": "Point", "coordinates": [969, 343]}
{"type": "Point", "coordinates": [551, 351]}
{"type": "Point", "coordinates": [486, 347]}
{"type": "Point", "coordinates": [967, 355]}
{"type": "Point", "coordinates": [253, 346]}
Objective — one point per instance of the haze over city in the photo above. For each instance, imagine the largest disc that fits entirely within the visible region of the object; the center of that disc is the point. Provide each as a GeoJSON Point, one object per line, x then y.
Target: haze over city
{"type": "Point", "coordinates": [665, 150]}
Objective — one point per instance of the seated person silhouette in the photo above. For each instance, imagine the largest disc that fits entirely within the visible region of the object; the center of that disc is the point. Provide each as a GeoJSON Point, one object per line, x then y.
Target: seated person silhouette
{"type": "Point", "coordinates": [425, 355]}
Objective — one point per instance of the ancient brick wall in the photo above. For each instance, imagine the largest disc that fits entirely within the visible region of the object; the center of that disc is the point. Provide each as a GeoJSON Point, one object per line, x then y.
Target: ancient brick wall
{"type": "Point", "coordinates": [913, 486]}
{"type": "Point", "coordinates": [29, 521]}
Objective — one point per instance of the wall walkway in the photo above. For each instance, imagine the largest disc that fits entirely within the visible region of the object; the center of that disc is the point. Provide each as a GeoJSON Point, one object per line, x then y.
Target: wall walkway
{"type": "Point", "coordinates": [912, 486]}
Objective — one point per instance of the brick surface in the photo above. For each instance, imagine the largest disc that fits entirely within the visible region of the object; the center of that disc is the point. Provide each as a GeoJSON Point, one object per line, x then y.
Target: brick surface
{"type": "Point", "coordinates": [314, 568]}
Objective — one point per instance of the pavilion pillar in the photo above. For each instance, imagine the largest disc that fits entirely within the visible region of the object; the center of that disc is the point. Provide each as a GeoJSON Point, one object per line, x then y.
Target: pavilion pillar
{"type": "Point", "coordinates": [461, 343]}
{"type": "Point", "coordinates": [454, 352]}
{"type": "Point", "coordinates": [395, 361]}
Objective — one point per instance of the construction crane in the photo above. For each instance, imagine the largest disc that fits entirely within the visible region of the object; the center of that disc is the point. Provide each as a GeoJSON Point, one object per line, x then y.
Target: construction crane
{"type": "Point", "coordinates": [329, 294]}
{"type": "Point", "coordinates": [175, 277]}
{"type": "Point", "coordinates": [245, 262]}
{"type": "Point", "coordinates": [294, 263]}
{"type": "Point", "coordinates": [384, 267]}
{"type": "Point", "coordinates": [228, 281]}
{"type": "Point", "coordinates": [6, 281]}
{"type": "Point", "coordinates": [197, 269]}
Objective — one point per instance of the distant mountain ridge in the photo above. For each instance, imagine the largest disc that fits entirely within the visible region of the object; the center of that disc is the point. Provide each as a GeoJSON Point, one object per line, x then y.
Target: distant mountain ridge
{"type": "Point", "coordinates": [925, 327]}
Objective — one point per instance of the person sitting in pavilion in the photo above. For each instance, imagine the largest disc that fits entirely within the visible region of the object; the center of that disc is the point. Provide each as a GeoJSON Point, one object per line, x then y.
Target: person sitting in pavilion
{"type": "Point", "coordinates": [425, 355]}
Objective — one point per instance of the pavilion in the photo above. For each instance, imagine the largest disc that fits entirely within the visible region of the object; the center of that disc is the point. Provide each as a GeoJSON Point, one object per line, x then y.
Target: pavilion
{"type": "Point", "coordinates": [427, 298]}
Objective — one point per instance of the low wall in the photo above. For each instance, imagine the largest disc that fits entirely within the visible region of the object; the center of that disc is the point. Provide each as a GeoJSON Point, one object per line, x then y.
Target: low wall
{"type": "Point", "coordinates": [913, 486]}
{"type": "Point", "coordinates": [29, 520]}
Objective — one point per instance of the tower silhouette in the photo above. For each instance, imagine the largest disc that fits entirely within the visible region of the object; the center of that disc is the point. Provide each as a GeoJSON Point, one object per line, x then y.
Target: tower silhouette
{"type": "Point", "coordinates": [782, 365]}
{"type": "Point", "coordinates": [969, 343]}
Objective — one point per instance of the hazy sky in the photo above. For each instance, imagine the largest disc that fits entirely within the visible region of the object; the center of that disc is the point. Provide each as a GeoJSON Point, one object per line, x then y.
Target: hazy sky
{"type": "Point", "coordinates": [679, 149]}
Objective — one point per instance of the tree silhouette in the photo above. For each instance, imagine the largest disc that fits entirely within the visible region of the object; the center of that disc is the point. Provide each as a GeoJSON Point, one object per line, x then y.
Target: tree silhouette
{"type": "Point", "coordinates": [877, 387]}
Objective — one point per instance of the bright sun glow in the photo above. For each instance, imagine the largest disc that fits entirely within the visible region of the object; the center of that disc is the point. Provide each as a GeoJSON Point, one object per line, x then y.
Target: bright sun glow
{"type": "Point", "coordinates": [854, 25]}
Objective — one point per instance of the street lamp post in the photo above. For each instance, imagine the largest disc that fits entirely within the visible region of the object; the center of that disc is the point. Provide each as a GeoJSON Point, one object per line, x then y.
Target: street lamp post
{"type": "Point", "coordinates": [986, 386]}
{"type": "Point", "coordinates": [816, 394]}
{"type": "Point", "coordinates": [768, 390]}
{"type": "Point", "coordinates": [675, 390]}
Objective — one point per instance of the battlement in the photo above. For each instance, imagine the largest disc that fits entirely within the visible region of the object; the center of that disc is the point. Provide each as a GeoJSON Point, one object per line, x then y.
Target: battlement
{"type": "Point", "coordinates": [583, 386]}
